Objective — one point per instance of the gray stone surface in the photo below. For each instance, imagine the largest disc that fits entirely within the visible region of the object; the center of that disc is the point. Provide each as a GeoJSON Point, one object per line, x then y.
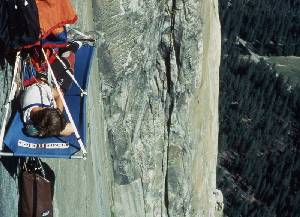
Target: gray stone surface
{"type": "Point", "coordinates": [8, 166]}
{"type": "Point", "coordinates": [152, 113]}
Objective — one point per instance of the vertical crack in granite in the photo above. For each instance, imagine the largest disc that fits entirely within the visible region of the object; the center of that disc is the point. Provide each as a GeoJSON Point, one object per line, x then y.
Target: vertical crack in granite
{"type": "Point", "coordinates": [182, 43]}
{"type": "Point", "coordinates": [172, 51]}
{"type": "Point", "coordinates": [168, 50]}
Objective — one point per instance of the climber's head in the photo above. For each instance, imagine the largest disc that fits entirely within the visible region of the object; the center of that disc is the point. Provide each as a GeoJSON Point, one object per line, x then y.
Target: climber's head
{"type": "Point", "coordinates": [48, 121]}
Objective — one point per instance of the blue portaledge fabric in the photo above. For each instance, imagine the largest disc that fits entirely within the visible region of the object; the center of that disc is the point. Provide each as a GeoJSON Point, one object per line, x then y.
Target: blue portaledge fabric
{"type": "Point", "coordinates": [56, 147]}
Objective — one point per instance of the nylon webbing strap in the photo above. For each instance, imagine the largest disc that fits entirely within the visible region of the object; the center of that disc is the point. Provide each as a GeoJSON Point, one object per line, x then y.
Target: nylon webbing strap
{"type": "Point", "coordinates": [79, 33]}
{"type": "Point", "coordinates": [84, 152]}
{"type": "Point", "coordinates": [12, 93]}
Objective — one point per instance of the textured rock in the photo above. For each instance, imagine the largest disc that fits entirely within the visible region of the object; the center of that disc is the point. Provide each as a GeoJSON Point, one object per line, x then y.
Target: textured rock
{"type": "Point", "coordinates": [8, 167]}
{"type": "Point", "coordinates": [152, 113]}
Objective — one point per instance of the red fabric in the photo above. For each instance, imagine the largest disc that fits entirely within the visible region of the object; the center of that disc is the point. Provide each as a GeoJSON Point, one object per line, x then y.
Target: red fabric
{"type": "Point", "coordinates": [54, 14]}
{"type": "Point", "coordinates": [71, 59]}
{"type": "Point", "coordinates": [49, 45]}
{"type": "Point", "coordinates": [52, 56]}
{"type": "Point", "coordinates": [31, 81]}
{"type": "Point", "coordinates": [37, 58]}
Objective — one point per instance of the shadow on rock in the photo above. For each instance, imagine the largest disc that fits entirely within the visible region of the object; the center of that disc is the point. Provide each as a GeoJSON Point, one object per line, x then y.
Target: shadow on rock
{"type": "Point", "coordinates": [6, 55]}
{"type": "Point", "coordinates": [11, 164]}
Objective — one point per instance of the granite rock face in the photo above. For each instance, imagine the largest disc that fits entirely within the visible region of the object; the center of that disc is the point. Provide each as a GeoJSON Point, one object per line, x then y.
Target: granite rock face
{"type": "Point", "coordinates": [152, 114]}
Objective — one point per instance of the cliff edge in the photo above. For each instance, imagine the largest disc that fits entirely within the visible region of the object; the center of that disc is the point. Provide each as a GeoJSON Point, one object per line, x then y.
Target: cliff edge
{"type": "Point", "coordinates": [152, 115]}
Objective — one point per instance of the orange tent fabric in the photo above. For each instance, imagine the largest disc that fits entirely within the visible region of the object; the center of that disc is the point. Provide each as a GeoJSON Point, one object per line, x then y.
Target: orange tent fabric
{"type": "Point", "coordinates": [54, 14]}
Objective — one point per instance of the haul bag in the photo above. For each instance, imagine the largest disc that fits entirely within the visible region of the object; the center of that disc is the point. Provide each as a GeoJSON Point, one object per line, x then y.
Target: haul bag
{"type": "Point", "coordinates": [37, 189]}
{"type": "Point", "coordinates": [36, 198]}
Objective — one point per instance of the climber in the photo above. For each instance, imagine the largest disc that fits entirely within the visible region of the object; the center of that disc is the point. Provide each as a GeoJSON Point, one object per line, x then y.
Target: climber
{"type": "Point", "coordinates": [41, 104]}
{"type": "Point", "coordinates": [42, 112]}
{"type": "Point", "coordinates": [54, 99]}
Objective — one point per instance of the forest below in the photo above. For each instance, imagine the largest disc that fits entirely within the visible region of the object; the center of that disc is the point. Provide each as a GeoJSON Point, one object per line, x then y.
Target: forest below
{"type": "Point", "coordinates": [271, 27]}
{"type": "Point", "coordinates": [259, 138]}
